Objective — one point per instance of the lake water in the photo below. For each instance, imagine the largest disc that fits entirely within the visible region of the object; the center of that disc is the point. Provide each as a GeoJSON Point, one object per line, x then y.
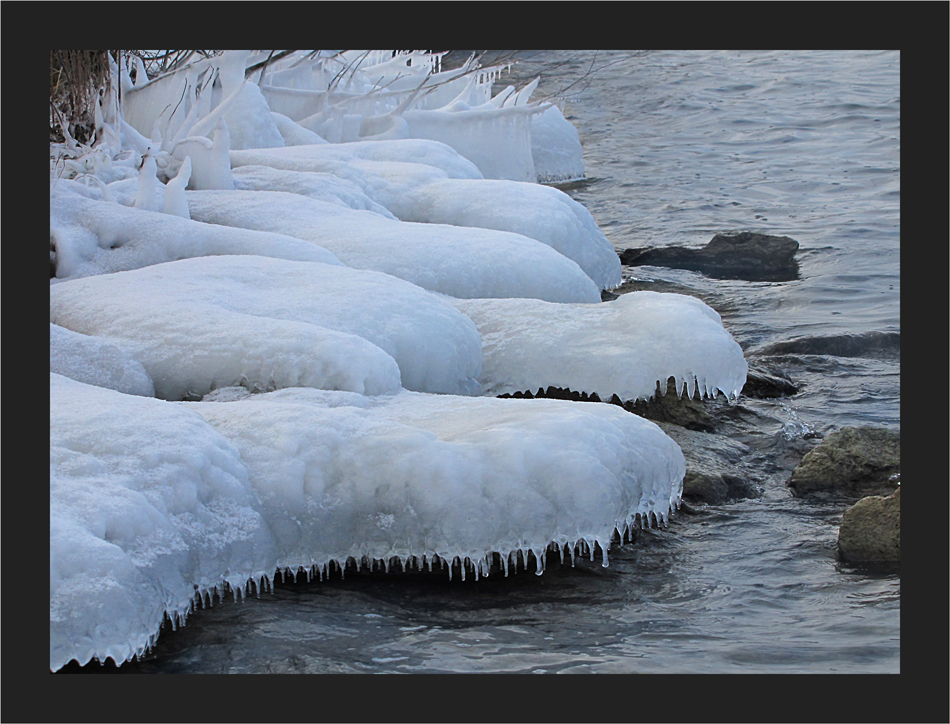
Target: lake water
{"type": "Point", "coordinates": [679, 146]}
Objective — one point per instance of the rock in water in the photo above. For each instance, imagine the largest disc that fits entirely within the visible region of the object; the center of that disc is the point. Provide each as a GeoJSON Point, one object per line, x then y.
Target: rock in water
{"type": "Point", "coordinates": [743, 255]}
{"type": "Point", "coordinates": [871, 530]}
{"type": "Point", "coordinates": [853, 461]}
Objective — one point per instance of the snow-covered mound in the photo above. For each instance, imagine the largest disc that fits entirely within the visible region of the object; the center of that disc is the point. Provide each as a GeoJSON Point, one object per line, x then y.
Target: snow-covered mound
{"type": "Point", "coordinates": [458, 261]}
{"type": "Point", "coordinates": [320, 186]}
{"type": "Point", "coordinates": [622, 348]}
{"type": "Point", "coordinates": [99, 237]}
{"type": "Point", "coordinates": [198, 324]}
{"type": "Point", "coordinates": [361, 154]}
{"type": "Point", "coordinates": [540, 212]}
{"type": "Point", "coordinates": [151, 501]}
{"type": "Point", "coordinates": [147, 504]}
{"type": "Point", "coordinates": [97, 361]}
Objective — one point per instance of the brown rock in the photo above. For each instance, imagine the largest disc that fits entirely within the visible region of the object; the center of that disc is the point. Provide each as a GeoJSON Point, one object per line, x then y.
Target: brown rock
{"type": "Point", "coordinates": [853, 461]}
{"type": "Point", "coordinates": [870, 530]}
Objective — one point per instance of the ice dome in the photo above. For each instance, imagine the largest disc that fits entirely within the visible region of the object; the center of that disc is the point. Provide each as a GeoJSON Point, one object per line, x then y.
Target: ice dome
{"type": "Point", "coordinates": [454, 260]}
{"type": "Point", "coordinates": [624, 347]}
{"type": "Point", "coordinates": [153, 501]}
{"type": "Point", "coordinates": [198, 324]}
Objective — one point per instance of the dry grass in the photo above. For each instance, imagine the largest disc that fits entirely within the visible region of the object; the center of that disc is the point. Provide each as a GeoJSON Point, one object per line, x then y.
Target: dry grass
{"type": "Point", "coordinates": [75, 80]}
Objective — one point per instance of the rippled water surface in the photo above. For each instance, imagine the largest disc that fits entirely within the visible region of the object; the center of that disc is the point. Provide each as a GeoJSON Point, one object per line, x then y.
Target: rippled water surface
{"type": "Point", "coordinates": [679, 146]}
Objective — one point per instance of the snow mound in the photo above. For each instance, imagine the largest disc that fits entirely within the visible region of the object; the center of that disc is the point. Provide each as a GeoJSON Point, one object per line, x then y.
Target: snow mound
{"type": "Point", "coordinates": [540, 212]}
{"type": "Point", "coordinates": [319, 157]}
{"type": "Point", "coordinates": [93, 237]}
{"type": "Point", "coordinates": [412, 475]}
{"type": "Point", "coordinates": [319, 186]}
{"type": "Point", "coordinates": [622, 348]}
{"type": "Point", "coordinates": [152, 502]}
{"type": "Point", "coordinates": [198, 324]}
{"type": "Point", "coordinates": [97, 361]}
{"type": "Point", "coordinates": [148, 505]}
{"type": "Point", "coordinates": [457, 261]}
{"type": "Point", "coordinates": [556, 148]}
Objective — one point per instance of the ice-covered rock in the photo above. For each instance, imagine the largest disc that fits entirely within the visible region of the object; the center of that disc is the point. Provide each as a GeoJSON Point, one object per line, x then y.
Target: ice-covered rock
{"type": "Point", "coordinates": [413, 475]}
{"type": "Point", "coordinates": [148, 505]}
{"type": "Point", "coordinates": [618, 348]}
{"type": "Point", "coordinates": [453, 260]}
{"type": "Point", "coordinates": [320, 186]}
{"type": "Point", "coordinates": [92, 236]}
{"type": "Point", "coordinates": [97, 361]}
{"type": "Point", "coordinates": [540, 212]}
{"type": "Point", "coordinates": [198, 324]}
{"type": "Point", "coordinates": [556, 148]}
{"type": "Point", "coordinates": [321, 157]}
{"type": "Point", "coordinates": [154, 502]}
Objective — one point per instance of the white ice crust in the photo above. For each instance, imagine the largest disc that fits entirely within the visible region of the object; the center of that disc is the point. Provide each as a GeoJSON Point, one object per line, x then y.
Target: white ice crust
{"type": "Point", "coordinates": [457, 261]}
{"type": "Point", "coordinates": [153, 500]}
{"type": "Point", "coordinates": [98, 237]}
{"type": "Point", "coordinates": [147, 504]}
{"type": "Point", "coordinates": [198, 324]}
{"type": "Point", "coordinates": [97, 361]}
{"type": "Point", "coordinates": [540, 212]}
{"type": "Point", "coordinates": [624, 347]}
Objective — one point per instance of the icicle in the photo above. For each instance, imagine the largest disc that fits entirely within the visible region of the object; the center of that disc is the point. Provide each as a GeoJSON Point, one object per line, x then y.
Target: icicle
{"type": "Point", "coordinates": [176, 203]}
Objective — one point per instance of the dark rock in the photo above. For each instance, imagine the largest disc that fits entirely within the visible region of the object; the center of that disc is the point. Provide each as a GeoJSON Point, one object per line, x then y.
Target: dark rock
{"type": "Point", "coordinates": [678, 409]}
{"type": "Point", "coordinates": [870, 530]}
{"type": "Point", "coordinates": [871, 344]}
{"type": "Point", "coordinates": [559, 393]}
{"type": "Point", "coordinates": [713, 471]}
{"type": "Point", "coordinates": [767, 382]}
{"type": "Point", "coordinates": [852, 461]}
{"type": "Point", "coordinates": [672, 408]}
{"type": "Point", "coordinates": [743, 255]}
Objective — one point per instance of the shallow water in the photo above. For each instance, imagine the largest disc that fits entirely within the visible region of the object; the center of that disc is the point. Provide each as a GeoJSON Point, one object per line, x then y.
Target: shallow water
{"type": "Point", "coordinates": [679, 146]}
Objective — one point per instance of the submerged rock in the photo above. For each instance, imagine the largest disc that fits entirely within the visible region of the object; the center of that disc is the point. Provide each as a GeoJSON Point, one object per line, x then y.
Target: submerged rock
{"type": "Point", "coordinates": [743, 255]}
{"type": "Point", "coordinates": [713, 474]}
{"type": "Point", "coordinates": [767, 382]}
{"type": "Point", "coordinates": [875, 345]}
{"type": "Point", "coordinates": [852, 461]}
{"type": "Point", "coordinates": [870, 530]}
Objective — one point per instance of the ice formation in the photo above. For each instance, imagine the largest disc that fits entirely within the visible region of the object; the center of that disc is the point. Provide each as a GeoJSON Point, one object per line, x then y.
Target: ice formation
{"type": "Point", "coordinates": [148, 504]}
{"type": "Point", "coordinates": [622, 348]}
{"type": "Point", "coordinates": [540, 212]}
{"type": "Point", "coordinates": [454, 260]}
{"type": "Point", "coordinates": [97, 361]}
{"type": "Point", "coordinates": [153, 501]}
{"type": "Point", "coordinates": [208, 322]}
{"type": "Point", "coordinates": [93, 236]}
{"type": "Point", "coordinates": [468, 286]}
